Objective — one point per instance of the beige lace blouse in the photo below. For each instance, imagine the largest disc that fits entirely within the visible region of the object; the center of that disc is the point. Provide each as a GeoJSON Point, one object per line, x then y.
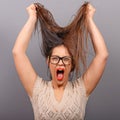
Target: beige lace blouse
{"type": "Point", "coordinates": [71, 107]}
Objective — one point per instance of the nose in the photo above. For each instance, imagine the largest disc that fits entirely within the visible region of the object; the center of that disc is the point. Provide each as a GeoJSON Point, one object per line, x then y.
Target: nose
{"type": "Point", "coordinates": [60, 62]}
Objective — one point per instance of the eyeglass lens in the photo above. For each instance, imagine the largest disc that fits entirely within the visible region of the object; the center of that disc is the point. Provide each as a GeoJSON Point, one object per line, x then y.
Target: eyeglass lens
{"type": "Point", "coordinates": [56, 59]}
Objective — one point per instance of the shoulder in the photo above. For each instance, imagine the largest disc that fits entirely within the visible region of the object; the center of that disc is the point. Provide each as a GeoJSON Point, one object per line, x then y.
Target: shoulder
{"type": "Point", "coordinates": [78, 82]}
{"type": "Point", "coordinates": [39, 86]}
{"type": "Point", "coordinates": [39, 82]}
{"type": "Point", "coordinates": [79, 85]}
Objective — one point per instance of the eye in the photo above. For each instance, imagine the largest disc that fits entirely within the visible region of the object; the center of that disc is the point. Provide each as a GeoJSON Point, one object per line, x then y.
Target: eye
{"type": "Point", "coordinates": [54, 59]}
{"type": "Point", "coordinates": [66, 59]}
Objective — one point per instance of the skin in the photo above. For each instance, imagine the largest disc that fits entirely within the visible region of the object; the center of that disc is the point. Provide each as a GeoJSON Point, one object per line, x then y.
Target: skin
{"type": "Point", "coordinates": [60, 51]}
{"type": "Point", "coordinates": [27, 73]}
{"type": "Point", "coordinates": [59, 86]}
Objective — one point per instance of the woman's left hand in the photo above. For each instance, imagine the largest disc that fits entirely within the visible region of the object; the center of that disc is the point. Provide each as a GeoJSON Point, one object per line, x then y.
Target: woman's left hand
{"type": "Point", "coordinates": [90, 12]}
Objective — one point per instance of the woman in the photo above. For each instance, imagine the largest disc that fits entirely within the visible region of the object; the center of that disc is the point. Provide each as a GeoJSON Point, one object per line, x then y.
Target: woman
{"type": "Point", "coordinates": [60, 99]}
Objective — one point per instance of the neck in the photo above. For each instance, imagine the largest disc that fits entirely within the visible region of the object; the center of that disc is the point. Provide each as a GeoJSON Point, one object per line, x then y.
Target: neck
{"type": "Point", "coordinates": [59, 86]}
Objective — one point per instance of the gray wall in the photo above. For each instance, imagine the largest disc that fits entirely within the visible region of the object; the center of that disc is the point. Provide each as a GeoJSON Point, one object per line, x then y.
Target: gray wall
{"type": "Point", "coordinates": [104, 102]}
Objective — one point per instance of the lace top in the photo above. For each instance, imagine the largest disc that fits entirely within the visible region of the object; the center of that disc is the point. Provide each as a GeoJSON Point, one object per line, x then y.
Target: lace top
{"type": "Point", "coordinates": [71, 107]}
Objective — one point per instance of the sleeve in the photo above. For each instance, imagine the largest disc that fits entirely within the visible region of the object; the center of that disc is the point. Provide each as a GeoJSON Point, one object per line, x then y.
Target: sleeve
{"type": "Point", "coordinates": [37, 89]}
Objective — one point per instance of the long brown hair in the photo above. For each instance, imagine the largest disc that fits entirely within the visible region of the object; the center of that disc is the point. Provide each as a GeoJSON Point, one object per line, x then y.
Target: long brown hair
{"type": "Point", "coordinates": [73, 36]}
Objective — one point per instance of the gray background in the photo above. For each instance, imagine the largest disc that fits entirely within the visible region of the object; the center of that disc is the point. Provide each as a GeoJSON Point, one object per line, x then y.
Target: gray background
{"type": "Point", "coordinates": [104, 102]}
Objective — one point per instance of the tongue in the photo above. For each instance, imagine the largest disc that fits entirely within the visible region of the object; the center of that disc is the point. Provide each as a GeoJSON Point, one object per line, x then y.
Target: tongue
{"type": "Point", "coordinates": [60, 76]}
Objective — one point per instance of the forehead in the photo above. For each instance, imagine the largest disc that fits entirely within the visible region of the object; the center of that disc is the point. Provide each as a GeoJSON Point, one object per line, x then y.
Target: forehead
{"type": "Point", "coordinates": [60, 51]}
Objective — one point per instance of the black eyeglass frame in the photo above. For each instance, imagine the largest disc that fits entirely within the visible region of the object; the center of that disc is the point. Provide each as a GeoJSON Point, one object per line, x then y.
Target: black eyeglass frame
{"type": "Point", "coordinates": [62, 59]}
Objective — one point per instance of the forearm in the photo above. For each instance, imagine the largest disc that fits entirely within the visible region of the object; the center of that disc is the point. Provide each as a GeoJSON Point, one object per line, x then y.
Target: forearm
{"type": "Point", "coordinates": [97, 39]}
{"type": "Point", "coordinates": [24, 36]}
{"type": "Point", "coordinates": [95, 70]}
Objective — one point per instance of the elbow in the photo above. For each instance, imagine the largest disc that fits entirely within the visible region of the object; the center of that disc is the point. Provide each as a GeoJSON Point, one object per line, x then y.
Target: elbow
{"type": "Point", "coordinates": [15, 52]}
{"type": "Point", "coordinates": [106, 55]}
{"type": "Point", "coordinates": [103, 56]}
{"type": "Point", "coordinates": [18, 49]}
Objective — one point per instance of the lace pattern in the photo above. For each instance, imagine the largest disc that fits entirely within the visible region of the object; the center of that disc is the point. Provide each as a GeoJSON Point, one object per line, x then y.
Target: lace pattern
{"type": "Point", "coordinates": [71, 107]}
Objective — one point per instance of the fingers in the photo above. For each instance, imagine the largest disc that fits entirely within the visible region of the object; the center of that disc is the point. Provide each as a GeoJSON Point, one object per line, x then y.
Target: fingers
{"type": "Point", "coordinates": [90, 11]}
{"type": "Point", "coordinates": [31, 10]}
{"type": "Point", "coordinates": [32, 7]}
{"type": "Point", "coordinates": [91, 8]}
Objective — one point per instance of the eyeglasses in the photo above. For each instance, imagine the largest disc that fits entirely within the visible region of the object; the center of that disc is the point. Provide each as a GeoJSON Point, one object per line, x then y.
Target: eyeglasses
{"type": "Point", "coordinates": [66, 60]}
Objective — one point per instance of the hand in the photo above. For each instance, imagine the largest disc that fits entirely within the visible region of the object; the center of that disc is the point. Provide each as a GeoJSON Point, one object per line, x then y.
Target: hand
{"type": "Point", "coordinates": [32, 12]}
{"type": "Point", "coordinates": [90, 12]}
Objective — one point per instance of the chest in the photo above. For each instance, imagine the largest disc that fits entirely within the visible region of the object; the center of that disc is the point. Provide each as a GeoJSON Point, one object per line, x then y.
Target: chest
{"type": "Point", "coordinates": [66, 105]}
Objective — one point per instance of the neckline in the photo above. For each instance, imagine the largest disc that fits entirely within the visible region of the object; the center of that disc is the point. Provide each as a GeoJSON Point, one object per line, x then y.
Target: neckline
{"type": "Point", "coordinates": [55, 101]}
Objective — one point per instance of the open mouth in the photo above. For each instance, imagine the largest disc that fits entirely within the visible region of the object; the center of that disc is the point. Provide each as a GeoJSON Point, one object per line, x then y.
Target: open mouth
{"type": "Point", "coordinates": [60, 73]}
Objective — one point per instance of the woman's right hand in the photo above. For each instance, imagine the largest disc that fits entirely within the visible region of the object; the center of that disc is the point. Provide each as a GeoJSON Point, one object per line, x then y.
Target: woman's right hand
{"type": "Point", "coordinates": [32, 12]}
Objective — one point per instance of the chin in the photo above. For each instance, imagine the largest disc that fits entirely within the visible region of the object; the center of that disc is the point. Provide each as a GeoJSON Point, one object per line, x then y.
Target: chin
{"type": "Point", "coordinates": [61, 82]}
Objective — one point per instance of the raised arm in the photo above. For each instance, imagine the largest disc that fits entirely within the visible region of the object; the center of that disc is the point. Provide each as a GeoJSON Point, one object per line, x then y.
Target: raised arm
{"type": "Point", "coordinates": [95, 70]}
{"type": "Point", "coordinates": [23, 66]}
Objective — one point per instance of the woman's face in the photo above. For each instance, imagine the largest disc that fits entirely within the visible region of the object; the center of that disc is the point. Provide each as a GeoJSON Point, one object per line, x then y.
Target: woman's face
{"type": "Point", "coordinates": [60, 64]}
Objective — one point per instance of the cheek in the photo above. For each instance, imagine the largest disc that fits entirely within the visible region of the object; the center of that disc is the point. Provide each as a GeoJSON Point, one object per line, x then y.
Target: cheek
{"type": "Point", "coordinates": [52, 69]}
{"type": "Point", "coordinates": [68, 68]}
